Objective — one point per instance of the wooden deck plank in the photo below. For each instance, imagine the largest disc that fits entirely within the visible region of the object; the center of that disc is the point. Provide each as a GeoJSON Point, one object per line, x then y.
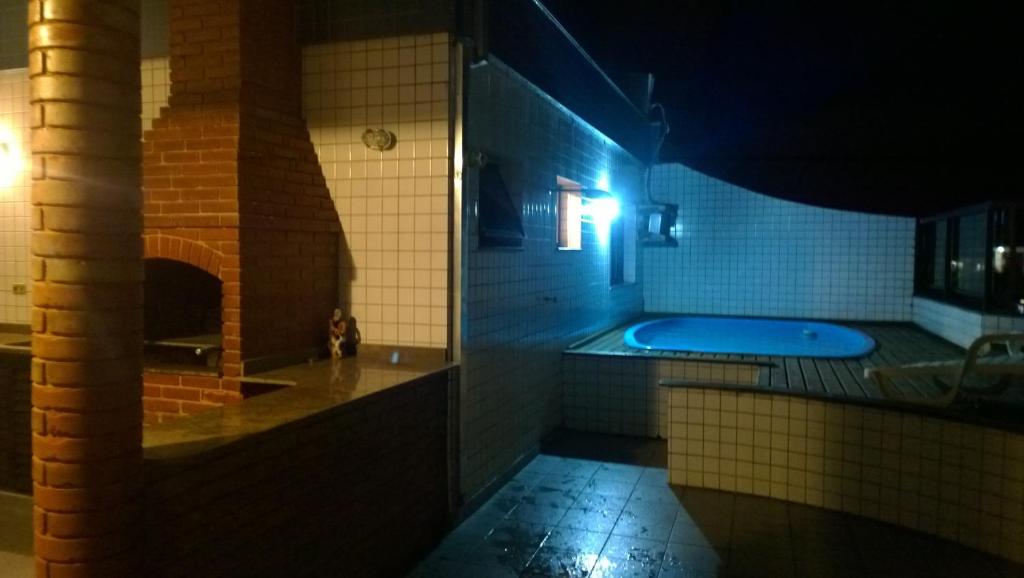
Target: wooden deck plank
{"type": "Point", "coordinates": [812, 379]}
{"type": "Point", "coordinates": [764, 374]}
{"type": "Point", "coordinates": [901, 348]}
{"type": "Point", "coordinates": [778, 374]}
{"type": "Point", "coordinates": [794, 376]}
{"type": "Point", "coordinates": [829, 381]}
{"type": "Point", "coordinates": [849, 382]}
{"type": "Point", "coordinates": [885, 356]}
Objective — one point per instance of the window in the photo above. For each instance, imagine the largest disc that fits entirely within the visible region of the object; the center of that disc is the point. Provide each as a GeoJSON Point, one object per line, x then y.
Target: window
{"type": "Point", "coordinates": [500, 221]}
{"type": "Point", "coordinates": [570, 215]}
{"type": "Point", "coordinates": [970, 261]}
{"type": "Point", "coordinates": [974, 258]}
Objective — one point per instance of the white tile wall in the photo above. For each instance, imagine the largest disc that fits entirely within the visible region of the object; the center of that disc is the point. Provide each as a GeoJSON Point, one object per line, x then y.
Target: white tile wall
{"type": "Point", "coordinates": [393, 204]}
{"type": "Point", "coordinates": [15, 189]}
{"type": "Point", "coordinates": [156, 87]}
{"type": "Point", "coordinates": [961, 326]}
{"type": "Point", "coordinates": [742, 253]}
{"type": "Point", "coordinates": [521, 309]}
{"type": "Point", "coordinates": [960, 481]}
{"type": "Point", "coordinates": [15, 193]}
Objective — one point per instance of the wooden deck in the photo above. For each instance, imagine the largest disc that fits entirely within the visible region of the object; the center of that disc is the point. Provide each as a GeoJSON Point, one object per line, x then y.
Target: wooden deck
{"type": "Point", "coordinates": [898, 343]}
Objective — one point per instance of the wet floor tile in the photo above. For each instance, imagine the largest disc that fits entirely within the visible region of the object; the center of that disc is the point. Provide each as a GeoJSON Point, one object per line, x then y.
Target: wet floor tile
{"type": "Point", "coordinates": [619, 473]}
{"type": "Point", "coordinates": [654, 476]}
{"type": "Point", "coordinates": [593, 501]}
{"type": "Point", "coordinates": [510, 556]}
{"type": "Point", "coordinates": [625, 568]}
{"type": "Point", "coordinates": [538, 514]}
{"type": "Point", "coordinates": [549, 497]}
{"type": "Point", "coordinates": [575, 539]}
{"type": "Point", "coordinates": [568, 563]}
{"type": "Point", "coordinates": [593, 520]}
{"type": "Point", "coordinates": [693, 559]}
{"type": "Point", "coordinates": [562, 483]}
{"type": "Point", "coordinates": [632, 548]}
{"type": "Point", "coordinates": [474, 571]}
{"type": "Point", "coordinates": [684, 532]}
{"type": "Point", "coordinates": [641, 527]}
{"type": "Point", "coordinates": [577, 518]}
{"type": "Point", "coordinates": [657, 493]}
{"type": "Point", "coordinates": [614, 488]}
{"type": "Point", "coordinates": [518, 532]}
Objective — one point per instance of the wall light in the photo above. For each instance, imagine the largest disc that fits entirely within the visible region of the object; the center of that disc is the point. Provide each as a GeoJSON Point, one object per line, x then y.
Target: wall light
{"type": "Point", "coordinates": [601, 208]}
{"type": "Point", "coordinates": [10, 158]}
{"type": "Point", "coordinates": [379, 140]}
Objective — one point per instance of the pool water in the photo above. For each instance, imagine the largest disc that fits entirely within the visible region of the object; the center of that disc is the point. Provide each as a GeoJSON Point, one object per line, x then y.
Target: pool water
{"type": "Point", "coordinates": [750, 336]}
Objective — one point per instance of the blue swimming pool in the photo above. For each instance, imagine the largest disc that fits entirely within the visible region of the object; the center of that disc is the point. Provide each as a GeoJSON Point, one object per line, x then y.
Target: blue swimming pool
{"type": "Point", "coordinates": [750, 336]}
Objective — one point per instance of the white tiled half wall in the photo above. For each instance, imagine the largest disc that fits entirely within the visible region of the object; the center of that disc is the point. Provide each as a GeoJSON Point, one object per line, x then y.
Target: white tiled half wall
{"type": "Point", "coordinates": [961, 326]}
{"type": "Point", "coordinates": [959, 481]}
{"type": "Point", "coordinates": [16, 180]}
{"type": "Point", "coordinates": [742, 253]}
{"type": "Point", "coordinates": [393, 204]}
{"type": "Point", "coordinates": [522, 308]}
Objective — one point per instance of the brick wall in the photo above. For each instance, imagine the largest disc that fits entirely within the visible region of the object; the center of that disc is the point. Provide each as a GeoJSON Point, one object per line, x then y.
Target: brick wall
{"type": "Point", "coordinates": [232, 183]}
{"type": "Point", "coordinates": [87, 294]}
{"type": "Point", "coordinates": [358, 491]}
{"type": "Point", "coordinates": [170, 395]}
{"type": "Point", "coordinates": [289, 238]}
{"type": "Point", "coordinates": [15, 428]}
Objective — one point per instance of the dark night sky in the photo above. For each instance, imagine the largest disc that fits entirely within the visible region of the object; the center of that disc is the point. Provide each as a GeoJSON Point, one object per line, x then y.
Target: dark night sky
{"type": "Point", "coordinates": [906, 109]}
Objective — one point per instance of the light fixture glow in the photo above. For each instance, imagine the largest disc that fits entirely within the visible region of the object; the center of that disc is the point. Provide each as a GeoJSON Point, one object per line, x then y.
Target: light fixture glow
{"type": "Point", "coordinates": [10, 158]}
{"type": "Point", "coordinates": [603, 182]}
{"type": "Point", "coordinates": [602, 210]}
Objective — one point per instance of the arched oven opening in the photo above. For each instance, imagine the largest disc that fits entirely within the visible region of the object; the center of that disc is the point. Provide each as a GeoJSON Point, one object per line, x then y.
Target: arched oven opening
{"type": "Point", "coordinates": [182, 317]}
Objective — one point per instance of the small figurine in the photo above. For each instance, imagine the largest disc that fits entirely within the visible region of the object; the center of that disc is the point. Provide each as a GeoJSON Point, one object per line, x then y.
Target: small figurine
{"type": "Point", "coordinates": [350, 338]}
{"type": "Point", "coordinates": [337, 329]}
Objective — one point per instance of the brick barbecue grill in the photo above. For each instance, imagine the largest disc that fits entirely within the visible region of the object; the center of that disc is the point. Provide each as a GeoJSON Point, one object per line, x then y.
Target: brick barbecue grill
{"type": "Point", "coordinates": [233, 188]}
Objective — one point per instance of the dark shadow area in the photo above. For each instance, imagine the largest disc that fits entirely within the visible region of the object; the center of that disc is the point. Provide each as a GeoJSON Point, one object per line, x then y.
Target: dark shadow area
{"type": "Point", "coordinates": [181, 300]}
{"type": "Point", "coordinates": [182, 317]}
{"type": "Point", "coordinates": [608, 448]}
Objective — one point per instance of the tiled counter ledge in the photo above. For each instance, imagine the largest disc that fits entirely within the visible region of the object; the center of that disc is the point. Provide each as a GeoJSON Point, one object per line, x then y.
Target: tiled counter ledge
{"type": "Point", "coordinates": [347, 468]}
{"type": "Point", "coordinates": [957, 474]}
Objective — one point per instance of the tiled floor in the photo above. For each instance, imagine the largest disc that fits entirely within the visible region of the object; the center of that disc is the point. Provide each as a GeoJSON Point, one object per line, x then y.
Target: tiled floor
{"type": "Point", "coordinates": [571, 517]}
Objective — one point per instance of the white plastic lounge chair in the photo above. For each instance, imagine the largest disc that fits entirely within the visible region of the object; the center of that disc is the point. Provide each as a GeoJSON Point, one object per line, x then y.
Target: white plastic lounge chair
{"type": "Point", "coordinates": [981, 371]}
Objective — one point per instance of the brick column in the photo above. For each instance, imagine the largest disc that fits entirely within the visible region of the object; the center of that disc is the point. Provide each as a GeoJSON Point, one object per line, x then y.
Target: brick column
{"type": "Point", "coordinates": [87, 290]}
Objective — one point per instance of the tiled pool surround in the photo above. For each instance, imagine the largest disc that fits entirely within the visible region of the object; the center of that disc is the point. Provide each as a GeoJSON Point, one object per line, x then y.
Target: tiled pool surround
{"type": "Point", "coordinates": [611, 388]}
{"type": "Point", "coordinates": [815, 432]}
{"type": "Point", "coordinates": [960, 481]}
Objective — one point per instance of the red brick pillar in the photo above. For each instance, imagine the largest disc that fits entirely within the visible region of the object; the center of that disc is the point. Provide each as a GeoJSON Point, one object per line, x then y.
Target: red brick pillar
{"type": "Point", "coordinates": [87, 290]}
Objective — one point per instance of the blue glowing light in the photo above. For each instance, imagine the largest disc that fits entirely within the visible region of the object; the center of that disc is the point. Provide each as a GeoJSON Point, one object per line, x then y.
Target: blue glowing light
{"type": "Point", "coordinates": [602, 210]}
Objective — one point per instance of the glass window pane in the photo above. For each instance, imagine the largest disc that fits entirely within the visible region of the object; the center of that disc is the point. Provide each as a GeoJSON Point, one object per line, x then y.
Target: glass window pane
{"type": "Point", "coordinates": [939, 257]}
{"type": "Point", "coordinates": [971, 253]}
